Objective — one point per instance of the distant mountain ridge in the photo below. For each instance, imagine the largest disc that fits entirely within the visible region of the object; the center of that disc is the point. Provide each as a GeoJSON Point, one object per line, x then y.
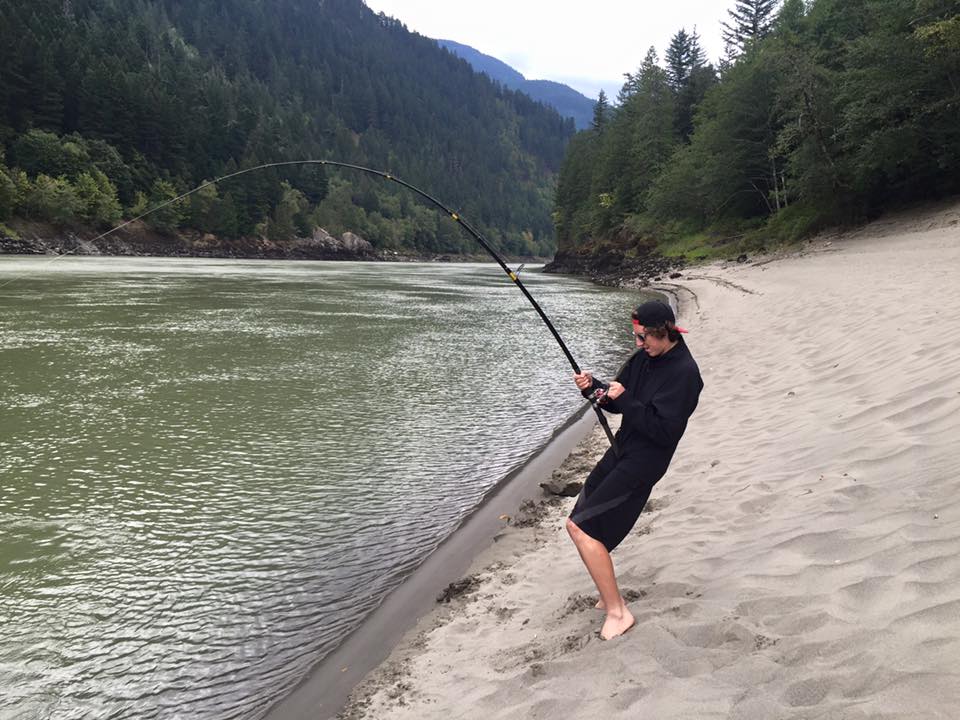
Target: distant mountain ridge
{"type": "Point", "coordinates": [567, 101]}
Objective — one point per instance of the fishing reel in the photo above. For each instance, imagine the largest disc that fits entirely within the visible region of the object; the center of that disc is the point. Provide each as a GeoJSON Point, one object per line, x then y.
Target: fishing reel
{"type": "Point", "coordinates": [599, 394]}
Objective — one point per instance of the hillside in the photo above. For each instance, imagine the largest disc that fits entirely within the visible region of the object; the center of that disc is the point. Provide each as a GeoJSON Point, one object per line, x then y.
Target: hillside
{"type": "Point", "coordinates": [563, 98]}
{"type": "Point", "coordinates": [107, 108]}
{"type": "Point", "coordinates": [829, 112]}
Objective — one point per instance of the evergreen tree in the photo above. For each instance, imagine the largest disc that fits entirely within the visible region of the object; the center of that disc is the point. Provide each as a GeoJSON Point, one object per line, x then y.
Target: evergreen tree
{"type": "Point", "coordinates": [724, 172]}
{"type": "Point", "coordinates": [572, 216]}
{"type": "Point", "coordinates": [790, 17]}
{"type": "Point", "coordinates": [201, 208]}
{"type": "Point", "coordinates": [631, 84]}
{"type": "Point", "coordinates": [750, 22]}
{"type": "Point", "coordinates": [606, 177]}
{"type": "Point", "coordinates": [166, 219]}
{"type": "Point", "coordinates": [684, 56]}
{"type": "Point", "coordinates": [650, 114]}
{"type": "Point", "coordinates": [690, 77]}
{"type": "Point", "coordinates": [840, 109]}
{"type": "Point", "coordinates": [293, 204]}
{"type": "Point", "coordinates": [601, 112]}
{"type": "Point", "coordinates": [165, 89]}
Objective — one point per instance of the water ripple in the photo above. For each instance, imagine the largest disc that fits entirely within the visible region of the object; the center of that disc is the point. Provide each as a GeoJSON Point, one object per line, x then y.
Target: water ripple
{"type": "Point", "coordinates": [211, 471]}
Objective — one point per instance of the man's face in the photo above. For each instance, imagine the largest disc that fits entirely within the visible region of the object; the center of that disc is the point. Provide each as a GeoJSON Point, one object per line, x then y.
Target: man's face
{"type": "Point", "coordinates": [651, 344]}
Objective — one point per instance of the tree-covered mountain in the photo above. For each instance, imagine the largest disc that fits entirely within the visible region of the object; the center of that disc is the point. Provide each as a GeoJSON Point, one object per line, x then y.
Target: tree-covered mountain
{"type": "Point", "coordinates": [825, 112]}
{"type": "Point", "coordinates": [567, 101]}
{"type": "Point", "coordinates": [496, 69]}
{"type": "Point", "coordinates": [108, 106]}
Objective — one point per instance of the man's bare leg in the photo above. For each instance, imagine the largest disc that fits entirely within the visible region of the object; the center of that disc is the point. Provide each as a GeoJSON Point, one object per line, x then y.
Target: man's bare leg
{"type": "Point", "coordinates": [600, 566]}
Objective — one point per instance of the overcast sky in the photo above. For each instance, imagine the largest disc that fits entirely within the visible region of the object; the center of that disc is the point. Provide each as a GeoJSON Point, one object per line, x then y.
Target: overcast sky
{"type": "Point", "coordinates": [587, 45]}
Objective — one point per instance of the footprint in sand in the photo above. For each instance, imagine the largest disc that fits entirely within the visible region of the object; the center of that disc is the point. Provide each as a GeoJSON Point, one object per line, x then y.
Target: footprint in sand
{"type": "Point", "coordinates": [655, 505]}
{"type": "Point", "coordinates": [762, 642]}
{"type": "Point", "coordinates": [502, 613]}
{"type": "Point", "coordinates": [807, 692]}
{"type": "Point", "coordinates": [578, 603]}
{"type": "Point", "coordinates": [573, 643]}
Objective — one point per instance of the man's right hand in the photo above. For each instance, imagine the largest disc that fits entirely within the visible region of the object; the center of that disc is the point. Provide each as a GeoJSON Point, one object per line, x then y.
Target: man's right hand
{"type": "Point", "coordinates": [584, 381]}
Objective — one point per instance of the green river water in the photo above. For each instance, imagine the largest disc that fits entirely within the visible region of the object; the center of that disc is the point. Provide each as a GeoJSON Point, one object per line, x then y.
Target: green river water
{"type": "Point", "coordinates": [210, 471]}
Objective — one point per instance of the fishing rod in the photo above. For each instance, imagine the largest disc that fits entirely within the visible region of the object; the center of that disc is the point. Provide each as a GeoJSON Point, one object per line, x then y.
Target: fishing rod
{"type": "Point", "coordinates": [455, 216]}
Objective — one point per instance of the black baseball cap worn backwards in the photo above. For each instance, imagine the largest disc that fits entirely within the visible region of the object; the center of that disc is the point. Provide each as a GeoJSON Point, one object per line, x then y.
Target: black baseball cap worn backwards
{"type": "Point", "coordinates": [655, 313]}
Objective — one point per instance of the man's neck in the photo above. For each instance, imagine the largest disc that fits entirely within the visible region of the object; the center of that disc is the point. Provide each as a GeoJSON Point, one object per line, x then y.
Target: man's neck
{"type": "Point", "coordinates": [671, 347]}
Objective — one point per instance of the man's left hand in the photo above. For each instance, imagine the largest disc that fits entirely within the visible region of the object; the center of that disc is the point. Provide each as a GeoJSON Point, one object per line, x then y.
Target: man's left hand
{"type": "Point", "coordinates": [615, 390]}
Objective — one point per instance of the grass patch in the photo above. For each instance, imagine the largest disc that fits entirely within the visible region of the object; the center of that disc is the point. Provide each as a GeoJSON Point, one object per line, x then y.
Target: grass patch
{"type": "Point", "coordinates": [688, 241]}
{"type": "Point", "coordinates": [730, 240]}
{"type": "Point", "coordinates": [698, 247]}
{"type": "Point", "coordinates": [8, 232]}
{"type": "Point", "coordinates": [688, 247]}
{"type": "Point", "coordinates": [788, 226]}
{"type": "Point", "coordinates": [725, 239]}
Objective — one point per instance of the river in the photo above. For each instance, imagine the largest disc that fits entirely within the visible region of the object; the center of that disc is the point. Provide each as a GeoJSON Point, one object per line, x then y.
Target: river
{"type": "Point", "coordinates": [211, 470]}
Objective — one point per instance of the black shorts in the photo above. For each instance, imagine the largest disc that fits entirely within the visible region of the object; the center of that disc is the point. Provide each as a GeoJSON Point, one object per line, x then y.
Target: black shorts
{"type": "Point", "coordinates": [613, 498]}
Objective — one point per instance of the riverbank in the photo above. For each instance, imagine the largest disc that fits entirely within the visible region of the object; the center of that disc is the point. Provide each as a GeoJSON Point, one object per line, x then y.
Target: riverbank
{"type": "Point", "coordinates": [799, 560]}
{"type": "Point", "coordinates": [139, 240]}
{"type": "Point", "coordinates": [329, 684]}
{"type": "Point", "coordinates": [611, 268]}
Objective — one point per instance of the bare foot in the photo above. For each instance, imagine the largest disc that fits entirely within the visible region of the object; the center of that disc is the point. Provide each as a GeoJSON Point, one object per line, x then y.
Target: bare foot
{"type": "Point", "coordinates": [601, 605]}
{"type": "Point", "coordinates": [614, 625]}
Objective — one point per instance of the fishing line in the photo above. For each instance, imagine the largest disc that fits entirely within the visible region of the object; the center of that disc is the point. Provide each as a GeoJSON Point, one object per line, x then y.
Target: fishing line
{"type": "Point", "coordinates": [455, 216]}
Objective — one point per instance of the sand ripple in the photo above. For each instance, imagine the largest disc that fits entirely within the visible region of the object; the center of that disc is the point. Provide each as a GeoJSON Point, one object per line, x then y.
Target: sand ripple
{"type": "Point", "coordinates": [807, 564]}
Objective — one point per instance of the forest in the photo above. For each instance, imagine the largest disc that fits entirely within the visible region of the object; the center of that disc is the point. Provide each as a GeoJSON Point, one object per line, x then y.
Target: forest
{"type": "Point", "coordinates": [110, 107]}
{"type": "Point", "coordinates": [821, 113]}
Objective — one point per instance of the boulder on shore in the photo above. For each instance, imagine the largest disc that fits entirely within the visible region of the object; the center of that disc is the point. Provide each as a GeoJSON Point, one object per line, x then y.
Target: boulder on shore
{"type": "Point", "coordinates": [564, 488]}
{"type": "Point", "coordinates": [323, 245]}
{"type": "Point", "coordinates": [353, 243]}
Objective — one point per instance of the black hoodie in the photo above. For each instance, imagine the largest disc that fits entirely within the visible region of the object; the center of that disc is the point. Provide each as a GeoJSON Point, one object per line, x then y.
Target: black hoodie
{"type": "Point", "coordinates": [660, 395]}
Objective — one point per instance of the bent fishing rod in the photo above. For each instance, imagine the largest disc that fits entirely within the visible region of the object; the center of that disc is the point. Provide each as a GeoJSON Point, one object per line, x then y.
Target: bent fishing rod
{"type": "Point", "coordinates": [455, 216]}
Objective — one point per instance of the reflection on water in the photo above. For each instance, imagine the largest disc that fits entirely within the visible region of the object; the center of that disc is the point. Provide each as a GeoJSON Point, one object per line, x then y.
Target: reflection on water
{"type": "Point", "coordinates": [211, 470]}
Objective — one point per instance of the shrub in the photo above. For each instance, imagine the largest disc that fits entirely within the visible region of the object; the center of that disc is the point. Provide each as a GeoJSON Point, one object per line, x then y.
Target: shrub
{"type": "Point", "coordinates": [54, 200]}
{"type": "Point", "coordinates": [8, 194]}
{"type": "Point", "coordinates": [98, 203]}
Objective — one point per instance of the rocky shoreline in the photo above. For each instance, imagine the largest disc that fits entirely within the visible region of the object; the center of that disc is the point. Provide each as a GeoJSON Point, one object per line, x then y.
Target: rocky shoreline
{"type": "Point", "coordinates": [137, 240]}
{"type": "Point", "coordinates": [612, 268]}
{"type": "Point", "coordinates": [609, 267]}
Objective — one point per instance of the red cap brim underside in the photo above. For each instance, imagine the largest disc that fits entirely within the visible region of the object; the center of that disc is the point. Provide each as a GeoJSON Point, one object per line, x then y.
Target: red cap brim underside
{"type": "Point", "coordinates": [636, 324]}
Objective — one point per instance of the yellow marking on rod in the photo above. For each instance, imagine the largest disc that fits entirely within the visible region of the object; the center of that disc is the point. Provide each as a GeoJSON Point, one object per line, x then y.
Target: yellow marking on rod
{"type": "Point", "coordinates": [455, 216]}
{"type": "Point", "coordinates": [513, 276]}
{"type": "Point", "coordinates": [388, 177]}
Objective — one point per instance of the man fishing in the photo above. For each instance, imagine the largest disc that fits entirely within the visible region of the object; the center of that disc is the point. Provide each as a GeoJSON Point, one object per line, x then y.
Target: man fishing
{"type": "Point", "coordinates": [656, 393]}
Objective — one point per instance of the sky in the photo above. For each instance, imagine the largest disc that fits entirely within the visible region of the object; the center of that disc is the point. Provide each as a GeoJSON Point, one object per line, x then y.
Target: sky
{"type": "Point", "coordinates": [587, 45]}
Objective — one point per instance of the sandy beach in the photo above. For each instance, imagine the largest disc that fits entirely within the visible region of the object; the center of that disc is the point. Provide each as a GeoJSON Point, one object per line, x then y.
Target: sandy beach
{"type": "Point", "coordinates": [801, 558]}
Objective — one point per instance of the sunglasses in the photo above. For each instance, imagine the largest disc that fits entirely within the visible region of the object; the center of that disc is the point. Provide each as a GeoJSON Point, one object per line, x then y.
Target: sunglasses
{"type": "Point", "coordinates": [641, 336]}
